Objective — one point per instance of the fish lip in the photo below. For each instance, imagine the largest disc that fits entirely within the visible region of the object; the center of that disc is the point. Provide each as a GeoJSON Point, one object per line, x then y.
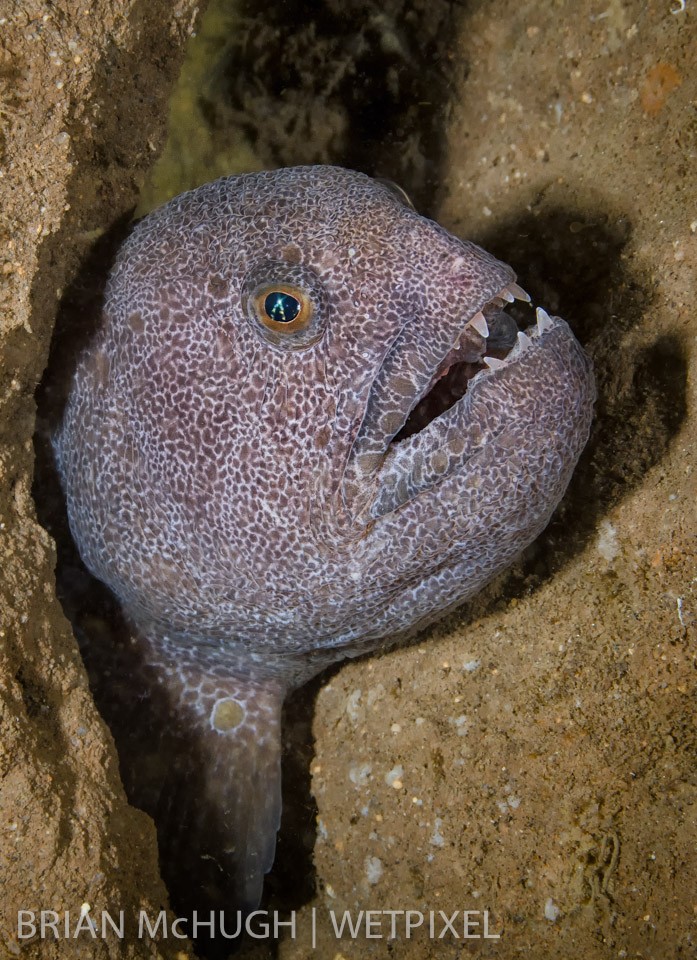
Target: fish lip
{"type": "Point", "coordinates": [441, 448]}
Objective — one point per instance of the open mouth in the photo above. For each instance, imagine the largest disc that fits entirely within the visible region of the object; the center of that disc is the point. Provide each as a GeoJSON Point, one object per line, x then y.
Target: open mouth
{"type": "Point", "coordinates": [486, 341]}
{"type": "Point", "coordinates": [415, 434]}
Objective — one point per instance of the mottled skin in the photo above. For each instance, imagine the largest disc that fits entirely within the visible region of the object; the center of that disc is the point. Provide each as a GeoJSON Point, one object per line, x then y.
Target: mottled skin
{"type": "Point", "coordinates": [237, 488]}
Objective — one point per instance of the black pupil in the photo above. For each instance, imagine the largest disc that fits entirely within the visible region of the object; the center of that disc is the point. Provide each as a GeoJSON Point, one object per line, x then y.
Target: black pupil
{"type": "Point", "coordinates": [281, 307]}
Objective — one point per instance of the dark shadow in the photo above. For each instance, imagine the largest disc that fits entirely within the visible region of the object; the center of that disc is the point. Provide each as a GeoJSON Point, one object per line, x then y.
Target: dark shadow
{"type": "Point", "coordinates": [292, 882]}
{"type": "Point", "coordinates": [367, 85]}
{"type": "Point", "coordinates": [79, 312]}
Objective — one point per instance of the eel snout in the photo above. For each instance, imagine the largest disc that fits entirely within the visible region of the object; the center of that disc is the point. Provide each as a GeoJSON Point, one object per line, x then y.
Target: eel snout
{"type": "Point", "coordinates": [483, 391]}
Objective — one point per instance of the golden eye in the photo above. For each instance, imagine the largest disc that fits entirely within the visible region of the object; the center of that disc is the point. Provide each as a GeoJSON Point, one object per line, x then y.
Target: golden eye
{"type": "Point", "coordinates": [283, 308]}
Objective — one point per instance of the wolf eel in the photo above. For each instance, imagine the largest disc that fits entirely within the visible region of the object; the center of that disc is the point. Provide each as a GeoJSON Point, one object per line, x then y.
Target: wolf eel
{"type": "Point", "coordinates": [305, 429]}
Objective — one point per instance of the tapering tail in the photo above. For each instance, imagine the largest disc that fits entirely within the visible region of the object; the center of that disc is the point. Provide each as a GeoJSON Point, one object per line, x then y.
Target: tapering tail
{"type": "Point", "coordinates": [220, 806]}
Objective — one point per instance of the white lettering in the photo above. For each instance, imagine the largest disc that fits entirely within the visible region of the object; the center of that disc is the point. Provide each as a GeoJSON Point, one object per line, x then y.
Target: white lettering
{"type": "Point", "coordinates": [259, 931]}
{"type": "Point", "coordinates": [84, 923]}
{"type": "Point", "coordinates": [393, 914]}
{"type": "Point", "coordinates": [175, 927]}
{"type": "Point", "coordinates": [108, 920]}
{"type": "Point", "coordinates": [487, 935]}
{"type": "Point", "coordinates": [470, 925]}
{"type": "Point", "coordinates": [259, 925]}
{"type": "Point", "coordinates": [26, 918]}
{"type": "Point", "coordinates": [284, 923]}
{"type": "Point", "coordinates": [144, 921]}
{"type": "Point", "coordinates": [223, 930]}
{"type": "Point", "coordinates": [346, 920]}
{"type": "Point", "coordinates": [49, 920]}
{"type": "Point", "coordinates": [448, 924]}
{"type": "Point", "coordinates": [210, 923]}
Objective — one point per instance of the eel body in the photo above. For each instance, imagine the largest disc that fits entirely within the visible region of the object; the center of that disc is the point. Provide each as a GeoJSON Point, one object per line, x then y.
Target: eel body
{"type": "Point", "coordinates": [305, 429]}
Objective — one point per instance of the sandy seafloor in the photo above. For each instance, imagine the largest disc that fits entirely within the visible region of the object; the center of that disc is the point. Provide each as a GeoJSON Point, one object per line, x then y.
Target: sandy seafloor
{"type": "Point", "coordinates": [534, 756]}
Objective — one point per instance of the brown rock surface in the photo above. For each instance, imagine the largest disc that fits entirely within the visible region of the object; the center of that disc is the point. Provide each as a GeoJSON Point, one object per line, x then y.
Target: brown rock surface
{"type": "Point", "coordinates": [82, 106]}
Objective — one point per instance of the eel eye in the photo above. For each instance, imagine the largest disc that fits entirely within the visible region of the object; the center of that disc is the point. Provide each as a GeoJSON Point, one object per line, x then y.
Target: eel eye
{"type": "Point", "coordinates": [283, 308]}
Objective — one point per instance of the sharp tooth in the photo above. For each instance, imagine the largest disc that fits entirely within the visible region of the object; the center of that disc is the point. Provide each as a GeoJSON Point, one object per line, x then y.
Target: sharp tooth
{"type": "Point", "coordinates": [518, 292]}
{"type": "Point", "coordinates": [524, 340]}
{"type": "Point", "coordinates": [479, 323]}
{"type": "Point", "coordinates": [543, 320]}
{"type": "Point", "coordinates": [494, 364]}
{"type": "Point", "coordinates": [506, 295]}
